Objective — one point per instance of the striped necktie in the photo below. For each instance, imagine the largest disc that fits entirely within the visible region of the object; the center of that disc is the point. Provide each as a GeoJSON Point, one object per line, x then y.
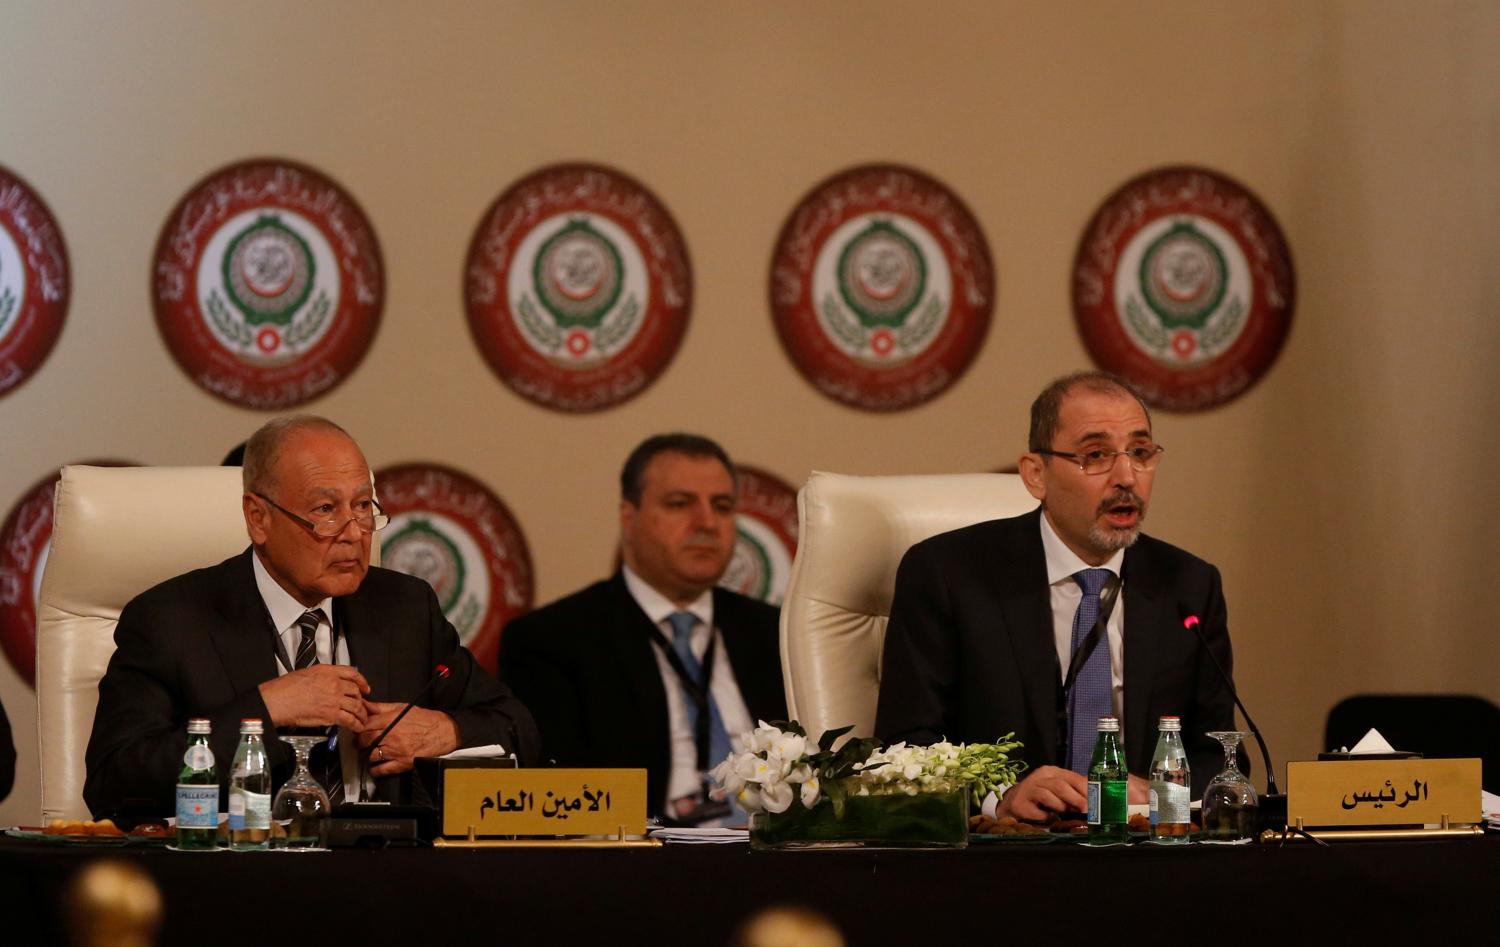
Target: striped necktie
{"type": "Point", "coordinates": [307, 648]}
{"type": "Point", "coordinates": [323, 762]}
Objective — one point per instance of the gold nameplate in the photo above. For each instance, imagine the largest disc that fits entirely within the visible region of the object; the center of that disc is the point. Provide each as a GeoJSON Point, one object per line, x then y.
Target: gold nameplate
{"type": "Point", "coordinates": [554, 802]}
{"type": "Point", "coordinates": [1382, 792]}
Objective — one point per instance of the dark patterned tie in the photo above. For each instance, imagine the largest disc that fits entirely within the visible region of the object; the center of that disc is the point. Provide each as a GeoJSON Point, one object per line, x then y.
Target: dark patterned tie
{"type": "Point", "coordinates": [307, 648]}
{"type": "Point", "coordinates": [1093, 688]}
{"type": "Point", "coordinates": [324, 761]}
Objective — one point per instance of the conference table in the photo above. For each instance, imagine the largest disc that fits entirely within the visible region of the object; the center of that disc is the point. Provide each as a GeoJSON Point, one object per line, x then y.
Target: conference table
{"type": "Point", "coordinates": [1366, 892]}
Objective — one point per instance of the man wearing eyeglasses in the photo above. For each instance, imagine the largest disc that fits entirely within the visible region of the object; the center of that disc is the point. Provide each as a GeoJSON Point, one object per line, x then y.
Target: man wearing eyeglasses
{"type": "Point", "coordinates": [1042, 623]}
{"type": "Point", "coordinates": [300, 631]}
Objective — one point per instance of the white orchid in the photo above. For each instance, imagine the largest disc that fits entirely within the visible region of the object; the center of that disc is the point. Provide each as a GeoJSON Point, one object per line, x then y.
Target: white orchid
{"type": "Point", "coordinates": [777, 797]}
{"type": "Point", "coordinates": [810, 793]}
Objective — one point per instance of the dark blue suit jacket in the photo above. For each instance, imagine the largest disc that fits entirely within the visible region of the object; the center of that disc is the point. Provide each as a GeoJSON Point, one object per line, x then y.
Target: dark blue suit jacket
{"type": "Point", "coordinates": [200, 644]}
{"type": "Point", "coordinates": [970, 654]}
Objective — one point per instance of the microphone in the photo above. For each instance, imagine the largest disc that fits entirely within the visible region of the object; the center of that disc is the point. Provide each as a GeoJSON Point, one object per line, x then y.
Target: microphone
{"type": "Point", "coordinates": [1192, 623]}
{"type": "Point", "coordinates": [440, 673]}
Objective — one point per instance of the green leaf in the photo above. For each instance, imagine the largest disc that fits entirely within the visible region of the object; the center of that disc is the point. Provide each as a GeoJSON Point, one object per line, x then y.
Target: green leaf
{"type": "Point", "coordinates": [831, 736]}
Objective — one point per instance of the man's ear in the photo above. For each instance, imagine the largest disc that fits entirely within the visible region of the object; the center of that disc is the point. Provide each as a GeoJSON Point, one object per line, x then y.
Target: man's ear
{"type": "Point", "coordinates": [255, 519]}
{"type": "Point", "coordinates": [1032, 475]}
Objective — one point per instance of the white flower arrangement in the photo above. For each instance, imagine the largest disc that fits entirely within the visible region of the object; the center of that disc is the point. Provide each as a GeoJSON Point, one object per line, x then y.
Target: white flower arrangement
{"type": "Point", "coordinates": [779, 766]}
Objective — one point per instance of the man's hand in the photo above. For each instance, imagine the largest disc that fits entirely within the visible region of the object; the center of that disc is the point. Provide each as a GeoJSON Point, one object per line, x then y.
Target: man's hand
{"type": "Point", "coordinates": [421, 732]}
{"type": "Point", "coordinates": [317, 696]}
{"type": "Point", "coordinates": [1137, 791]}
{"type": "Point", "coordinates": [1045, 789]}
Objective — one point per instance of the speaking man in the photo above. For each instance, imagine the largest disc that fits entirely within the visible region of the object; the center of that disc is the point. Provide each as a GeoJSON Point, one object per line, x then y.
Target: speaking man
{"type": "Point", "coordinates": [987, 620]}
{"type": "Point", "coordinates": [616, 673]}
{"type": "Point", "coordinates": [299, 631]}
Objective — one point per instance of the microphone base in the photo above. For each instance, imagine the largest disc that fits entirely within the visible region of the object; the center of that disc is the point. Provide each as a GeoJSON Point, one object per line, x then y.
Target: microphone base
{"type": "Point", "coordinates": [1272, 811]}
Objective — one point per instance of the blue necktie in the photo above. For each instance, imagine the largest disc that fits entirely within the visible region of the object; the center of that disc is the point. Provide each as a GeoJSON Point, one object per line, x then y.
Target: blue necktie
{"type": "Point", "coordinates": [682, 637]}
{"type": "Point", "coordinates": [1093, 690]}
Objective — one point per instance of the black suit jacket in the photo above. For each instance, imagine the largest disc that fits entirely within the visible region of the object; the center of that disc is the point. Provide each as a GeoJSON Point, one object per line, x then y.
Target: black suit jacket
{"type": "Point", "coordinates": [199, 645]}
{"type": "Point", "coordinates": [970, 654]}
{"type": "Point", "coordinates": [586, 667]}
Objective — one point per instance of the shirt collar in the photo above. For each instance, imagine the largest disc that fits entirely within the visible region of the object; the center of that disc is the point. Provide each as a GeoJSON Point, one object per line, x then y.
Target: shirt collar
{"type": "Point", "coordinates": [657, 606]}
{"type": "Point", "coordinates": [284, 609]}
{"type": "Point", "coordinates": [1063, 563]}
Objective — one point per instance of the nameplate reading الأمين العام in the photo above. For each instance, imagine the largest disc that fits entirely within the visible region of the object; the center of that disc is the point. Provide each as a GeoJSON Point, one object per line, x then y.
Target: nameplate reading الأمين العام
{"type": "Point", "coordinates": [555, 802]}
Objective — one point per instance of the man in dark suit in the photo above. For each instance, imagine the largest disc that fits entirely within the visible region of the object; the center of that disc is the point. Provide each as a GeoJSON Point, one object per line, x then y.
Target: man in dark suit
{"type": "Point", "coordinates": [298, 631]}
{"type": "Point", "coordinates": [614, 673]}
{"type": "Point", "coordinates": [987, 619]}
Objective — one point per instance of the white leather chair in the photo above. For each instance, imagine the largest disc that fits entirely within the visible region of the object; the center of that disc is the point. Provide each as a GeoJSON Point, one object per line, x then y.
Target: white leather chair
{"type": "Point", "coordinates": [853, 533]}
{"type": "Point", "coordinates": [116, 531]}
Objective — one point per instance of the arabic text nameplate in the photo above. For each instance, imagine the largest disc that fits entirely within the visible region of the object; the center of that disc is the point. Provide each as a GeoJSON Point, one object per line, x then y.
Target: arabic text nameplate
{"type": "Point", "coordinates": [1382, 792]}
{"type": "Point", "coordinates": [544, 802]}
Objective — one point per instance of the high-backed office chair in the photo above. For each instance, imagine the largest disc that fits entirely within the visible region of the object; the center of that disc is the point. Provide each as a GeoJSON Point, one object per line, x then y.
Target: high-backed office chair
{"type": "Point", "coordinates": [853, 532]}
{"type": "Point", "coordinates": [116, 532]}
{"type": "Point", "coordinates": [1443, 726]}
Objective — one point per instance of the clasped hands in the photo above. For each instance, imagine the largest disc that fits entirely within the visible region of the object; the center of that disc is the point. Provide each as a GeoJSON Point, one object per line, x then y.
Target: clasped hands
{"type": "Point", "coordinates": [1052, 789]}
{"type": "Point", "coordinates": [327, 694]}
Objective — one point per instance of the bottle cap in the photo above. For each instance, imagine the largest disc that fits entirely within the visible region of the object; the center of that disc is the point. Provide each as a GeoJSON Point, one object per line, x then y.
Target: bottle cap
{"type": "Point", "coordinates": [251, 725]}
{"type": "Point", "coordinates": [199, 725]}
{"type": "Point", "coordinates": [1171, 723]}
{"type": "Point", "coordinates": [1109, 724]}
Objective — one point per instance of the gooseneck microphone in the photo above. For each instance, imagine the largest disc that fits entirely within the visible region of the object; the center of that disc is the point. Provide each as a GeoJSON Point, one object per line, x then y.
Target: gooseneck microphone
{"type": "Point", "coordinates": [439, 673]}
{"type": "Point", "coordinates": [1192, 623]}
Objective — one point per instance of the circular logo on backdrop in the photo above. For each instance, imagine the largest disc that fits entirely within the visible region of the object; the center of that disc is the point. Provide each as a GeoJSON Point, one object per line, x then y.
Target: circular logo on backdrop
{"type": "Point", "coordinates": [34, 283]}
{"type": "Point", "coordinates": [766, 540]}
{"type": "Point", "coordinates": [578, 287]}
{"type": "Point", "coordinates": [25, 541]}
{"type": "Point", "coordinates": [1183, 285]}
{"type": "Point", "coordinates": [449, 529]}
{"type": "Point", "coordinates": [268, 284]}
{"type": "Point", "coordinates": [881, 287]}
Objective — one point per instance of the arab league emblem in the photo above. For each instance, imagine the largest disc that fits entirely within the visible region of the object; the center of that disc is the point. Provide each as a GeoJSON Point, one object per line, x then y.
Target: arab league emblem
{"type": "Point", "coordinates": [881, 287]}
{"type": "Point", "coordinates": [765, 536]}
{"type": "Point", "coordinates": [578, 287]}
{"type": "Point", "coordinates": [451, 530]}
{"type": "Point", "coordinates": [268, 284]}
{"type": "Point", "coordinates": [1183, 285]}
{"type": "Point", "coordinates": [34, 281]}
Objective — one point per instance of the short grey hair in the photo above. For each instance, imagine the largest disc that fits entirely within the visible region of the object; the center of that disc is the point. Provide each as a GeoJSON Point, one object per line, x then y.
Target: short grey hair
{"type": "Point", "coordinates": [1047, 407]}
{"type": "Point", "coordinates": [263, 449]}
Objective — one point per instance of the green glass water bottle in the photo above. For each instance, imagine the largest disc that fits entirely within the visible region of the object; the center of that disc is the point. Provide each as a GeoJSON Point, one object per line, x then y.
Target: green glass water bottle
{"type": "Point", "coordinates": [1108, 780]}
{"type": "Point", "coordinates": [198, 791]}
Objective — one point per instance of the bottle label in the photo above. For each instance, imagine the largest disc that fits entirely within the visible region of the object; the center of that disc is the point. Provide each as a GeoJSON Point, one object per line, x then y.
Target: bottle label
{"type": "Point", "coordinates": [197, 806]}
{"type": "Point", "coordinates": [1094, 812]}
{"type": "Point", "coordinates": [198, 756]}
{"type": "Point", "coordinates": [1170, 804]}
{"type": "Point", "coordinates": [249, 810]}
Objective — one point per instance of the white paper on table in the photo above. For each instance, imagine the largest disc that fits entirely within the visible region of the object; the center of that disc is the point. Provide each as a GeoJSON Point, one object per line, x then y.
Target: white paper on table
{"type": "Point", "coordinates": [700, 835]}
{"type": "Point", "coordinates": [493, 751]}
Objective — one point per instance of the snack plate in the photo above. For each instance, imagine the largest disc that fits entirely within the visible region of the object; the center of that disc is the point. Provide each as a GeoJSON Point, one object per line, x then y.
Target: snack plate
{"type": "Point", "coordinates": [100, 841]}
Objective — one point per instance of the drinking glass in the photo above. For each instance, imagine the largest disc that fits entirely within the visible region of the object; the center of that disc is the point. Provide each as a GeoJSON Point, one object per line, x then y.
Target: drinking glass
{"type": "Point", "coordinates": [1230, 808]}
{"type": "Point", "coordinates": [301, 806]}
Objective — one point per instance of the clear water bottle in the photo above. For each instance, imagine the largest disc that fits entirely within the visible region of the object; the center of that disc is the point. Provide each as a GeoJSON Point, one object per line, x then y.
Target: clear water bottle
{"type": "Point", "coordinates": [1108, 783]}
{"type": "Point", "coordinates": [198, 791]}
{"type": "Point", "coordinates": [250, 791]}
{"type": "Point", "coordinates": [1169, 785]}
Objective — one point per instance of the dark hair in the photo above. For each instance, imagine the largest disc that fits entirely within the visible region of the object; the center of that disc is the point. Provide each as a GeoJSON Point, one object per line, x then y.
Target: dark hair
{"type": "Point", "coordinates": [1045, 408]}
{"type": "Point", "coordinates": [264, 447]}
{"type": "Point", "coordinates": [633, 474]}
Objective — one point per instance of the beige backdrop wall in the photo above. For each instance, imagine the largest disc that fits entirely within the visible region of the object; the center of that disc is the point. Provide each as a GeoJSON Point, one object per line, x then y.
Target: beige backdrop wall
{"type": "Point", "coordinates": [1347, 497]}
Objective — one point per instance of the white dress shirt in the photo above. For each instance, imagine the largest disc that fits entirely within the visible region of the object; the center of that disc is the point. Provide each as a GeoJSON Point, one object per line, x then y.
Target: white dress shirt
{"type": "Point", "coordinates": [1062, 564]}
{"type": "Point", "coordinates": [685, 780]}
{"type": "Point", "coordinates": [284, 611]}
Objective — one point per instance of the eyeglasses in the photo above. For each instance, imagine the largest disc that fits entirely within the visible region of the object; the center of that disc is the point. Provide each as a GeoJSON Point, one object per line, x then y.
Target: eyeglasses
{"type": "Point", "coordinates": [368, 516]}
{"type": "Point", "coordinates": [1142, 457]}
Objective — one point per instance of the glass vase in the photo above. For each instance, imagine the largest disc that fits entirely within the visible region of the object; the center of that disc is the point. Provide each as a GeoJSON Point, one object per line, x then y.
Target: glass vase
{"type": "Point", "coordinates": [925, 820]}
